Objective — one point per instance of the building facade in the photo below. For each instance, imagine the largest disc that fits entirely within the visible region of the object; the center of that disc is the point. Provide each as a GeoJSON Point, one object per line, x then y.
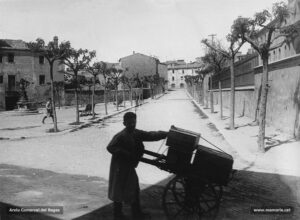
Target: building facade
{"type": "Point", "coordinates": [144, 65]}
{"type": "Point", "coordinates": [18, 62]}
{"type": "Point", "coordinates": [177, 70]}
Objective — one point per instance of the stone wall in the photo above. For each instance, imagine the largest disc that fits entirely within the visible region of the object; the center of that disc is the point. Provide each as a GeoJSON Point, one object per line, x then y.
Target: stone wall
{"type": "Point", "coordinates": [283, 101]}
{"type": "Point", "coordinates": [283, 97]}
{"type": "Point", "coordinates": [86, 96]}
{"type": "Point", "coordinates": [245, 101]}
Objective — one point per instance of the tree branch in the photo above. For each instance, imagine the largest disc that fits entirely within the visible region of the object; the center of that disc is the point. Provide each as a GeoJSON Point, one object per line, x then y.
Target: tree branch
{"type": "Point", "coordinates": [278, 45]}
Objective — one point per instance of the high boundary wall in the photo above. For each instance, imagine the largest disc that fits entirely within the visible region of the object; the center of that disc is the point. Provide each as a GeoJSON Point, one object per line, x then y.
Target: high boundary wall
{"type": "Point", "coordinates": [283, 101]}
{"type": "Point", "coordinates": [284, 93]}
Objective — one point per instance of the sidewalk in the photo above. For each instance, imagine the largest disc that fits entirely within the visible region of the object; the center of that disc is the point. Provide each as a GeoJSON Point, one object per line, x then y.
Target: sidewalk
{"type": "Point", "coordinates": [282, 150]}
{"type": "Point", "coordinates": [17, 127]}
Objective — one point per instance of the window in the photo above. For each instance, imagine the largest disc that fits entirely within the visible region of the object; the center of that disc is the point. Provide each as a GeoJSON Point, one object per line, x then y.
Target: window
{"type": "Point", "coordinates": [11, 57]}
{"type": "Point", "coordinates": [1, 79]}
{"type": "Point", "coordinates": [182, 71]}
{"type": "Point", "coordinates": [182, 78]}
{"type": "Point", "coordinates": [41, 59]}
{"type": "Point", "coordinates": [173, 78]}
{"type": "Point", "coordinates": [42, 79]}
{"type": "Point", "coordinates": [172, 71]}
{"type": "Point", "coordinates": [0, 58]}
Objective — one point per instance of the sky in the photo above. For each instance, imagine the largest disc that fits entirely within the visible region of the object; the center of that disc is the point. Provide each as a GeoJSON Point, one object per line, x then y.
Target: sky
{"type": "Point", "coordinates": [167, 29]}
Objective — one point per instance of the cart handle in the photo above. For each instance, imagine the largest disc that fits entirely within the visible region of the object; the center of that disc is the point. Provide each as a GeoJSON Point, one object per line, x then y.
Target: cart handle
{"type": "Point", "coordinates": [153, 154]}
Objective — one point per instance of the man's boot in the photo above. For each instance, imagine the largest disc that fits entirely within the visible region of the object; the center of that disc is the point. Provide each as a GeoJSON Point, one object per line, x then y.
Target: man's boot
{"type": "Point", "coordinates": [137, 213]}
{"type": "Point", "coordinates": [118, 214]}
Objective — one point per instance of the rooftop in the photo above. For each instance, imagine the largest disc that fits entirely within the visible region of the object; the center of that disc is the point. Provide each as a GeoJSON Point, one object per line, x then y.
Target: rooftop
{"type": "Point", "coordinates": [13, 44]}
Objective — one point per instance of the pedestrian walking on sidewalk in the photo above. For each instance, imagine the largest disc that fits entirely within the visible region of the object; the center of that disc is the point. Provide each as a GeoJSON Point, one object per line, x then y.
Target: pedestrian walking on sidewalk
{"type": "Point", "coordinates": [127, 148]}
{"type": "Point", "coordinates": [48, 112]}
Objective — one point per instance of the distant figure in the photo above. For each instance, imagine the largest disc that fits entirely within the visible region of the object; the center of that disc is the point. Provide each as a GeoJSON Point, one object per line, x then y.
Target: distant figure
{"type": "Point", "coordinates": [48, 112]}
{"type": "Point", "coordinates": [127, 148]}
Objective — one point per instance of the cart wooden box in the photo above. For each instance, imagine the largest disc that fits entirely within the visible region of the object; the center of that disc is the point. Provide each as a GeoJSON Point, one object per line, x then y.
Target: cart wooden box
{"type": "Point", "coordinates": [216, 165]}
{"type": "Point", "coordinates": [181, 144]}
{"type": "Point", "coordinates": [182, 140]}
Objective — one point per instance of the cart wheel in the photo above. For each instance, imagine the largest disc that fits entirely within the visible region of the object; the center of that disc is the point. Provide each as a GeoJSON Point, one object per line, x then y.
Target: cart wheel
{"type": "Point", "coordinates": [180, 201]}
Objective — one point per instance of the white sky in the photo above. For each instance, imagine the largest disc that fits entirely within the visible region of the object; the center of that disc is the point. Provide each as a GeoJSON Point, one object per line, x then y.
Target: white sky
{"type": "Point", "coordinates": [168, 29]}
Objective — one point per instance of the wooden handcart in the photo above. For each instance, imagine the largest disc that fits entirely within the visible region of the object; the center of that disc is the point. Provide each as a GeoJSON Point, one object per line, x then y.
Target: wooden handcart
{"type": "Point", "coordinates": [200, 174]}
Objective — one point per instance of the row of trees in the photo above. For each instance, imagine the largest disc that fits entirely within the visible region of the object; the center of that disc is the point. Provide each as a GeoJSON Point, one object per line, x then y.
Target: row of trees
{"type": "Point", "coordinates": [83, 60]}
{"type": "Point", "coordinates": [265, 32]}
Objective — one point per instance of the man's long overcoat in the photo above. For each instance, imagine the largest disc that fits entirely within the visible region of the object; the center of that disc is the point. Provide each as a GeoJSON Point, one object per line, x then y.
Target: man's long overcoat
{"type": "Point", "coordinates": [126, 149]}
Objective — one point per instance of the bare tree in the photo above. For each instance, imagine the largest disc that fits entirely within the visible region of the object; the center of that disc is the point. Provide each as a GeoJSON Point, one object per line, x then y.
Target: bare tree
{"type": "Point", "coordinates": [96, 69]}
{"type": "Point", "coordinates": [235, 45]}
{"type": "Point", "coordinates": [52, 52]}
{"type": "Point", "coordinates": [115, 75]}
{"type": "Point", "coordinates": [58, 87]}
{"type": "Point", "coordinates": [130, 81]}
{"type": "Point", "coordinates": [77, 60]}
{"type": "Point", "coordinates": [215, 62]}
{"type": "Point", "coordinates": [265, 32]}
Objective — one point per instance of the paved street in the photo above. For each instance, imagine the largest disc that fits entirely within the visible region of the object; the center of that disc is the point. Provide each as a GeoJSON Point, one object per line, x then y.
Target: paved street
{"type": "Point", "coordinates": [71, 169]}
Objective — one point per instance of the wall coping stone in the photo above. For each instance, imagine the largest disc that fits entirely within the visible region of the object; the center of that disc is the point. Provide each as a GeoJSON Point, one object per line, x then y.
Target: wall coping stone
{"type": "Point", "coordinates": [241, 88]}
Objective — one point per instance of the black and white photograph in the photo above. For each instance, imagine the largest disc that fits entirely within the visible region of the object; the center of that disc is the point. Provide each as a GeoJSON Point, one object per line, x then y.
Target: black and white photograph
{"type": "Point", "coordinates": [149, 109]}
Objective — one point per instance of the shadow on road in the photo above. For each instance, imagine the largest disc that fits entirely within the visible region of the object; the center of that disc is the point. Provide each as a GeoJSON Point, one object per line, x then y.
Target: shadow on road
{"type": "Point", "coordinates": [247, 189]}
{"type": "Point", "coordinates": [85, 197]}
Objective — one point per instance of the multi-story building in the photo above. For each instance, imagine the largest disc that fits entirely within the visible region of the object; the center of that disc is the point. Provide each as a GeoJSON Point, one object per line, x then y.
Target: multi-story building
{"type": "Point", "coordinates": [144, 65]}
{"type": "Point", "coordinates": [288, 49]}
{"type": "Point", "coordinates": [18, 62]}
{"type": "Point", "coordinates": [178, 69]}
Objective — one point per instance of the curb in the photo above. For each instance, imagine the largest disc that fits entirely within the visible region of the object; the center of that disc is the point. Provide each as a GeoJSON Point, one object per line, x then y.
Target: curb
{"type": "Point", "coordinates": [84, 124]}
{"type": "Point", "coordinates": [103, 118]}
{"type": "Point", "coordinates": [244, 156]}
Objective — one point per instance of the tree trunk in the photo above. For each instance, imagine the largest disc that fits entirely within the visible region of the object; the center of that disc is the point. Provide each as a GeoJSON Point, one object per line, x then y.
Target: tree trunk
{"type": "Point", "coordinates": [116, 93]}
{"type": "Point", "coordinates": [232, 94]}
{"type": "Point", "coordinates": [131, 96]}
{"type": "Point", "coordinates": [297, 123]}
{"type": "Point", "coordinates": [76, 98]}
{"type": "Point", "coordinates": [202, 93]}
{"type": "Point", "coordinates": [199, 94]}
{"type": "Point", "coordinates": [221, 99]}
{"type": "Point", "coordinates": [257, 103]}
{"type": "Point", "coordinates": [93, 97]}
{"type": "Point", "coordinates": [105, 100]}
{"type": "Point", "coordinates": [152, 95]}
{"type": "Point", "coordinates": [297, 118]}
{"type": "Point", "coordinates": [206, 97]}
{"type": "Point", "coordinates": [52, 97]}
{"type": "Point", "coordinates": [89, 94]}
{"type": "Point", "coordinates": [263, 105]}
{"type": "Point", "coordinates": [194, 93]}
{"type": "Point", "coordinates": [211, 97]}
{"type": "Point", "coordinates": [124, 96]}
{"type": "Point", "coordinates": [58, 93]}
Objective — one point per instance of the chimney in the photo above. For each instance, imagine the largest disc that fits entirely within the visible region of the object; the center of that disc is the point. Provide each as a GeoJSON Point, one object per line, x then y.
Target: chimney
{"type": "Point", "coordinates": [55, 40]}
